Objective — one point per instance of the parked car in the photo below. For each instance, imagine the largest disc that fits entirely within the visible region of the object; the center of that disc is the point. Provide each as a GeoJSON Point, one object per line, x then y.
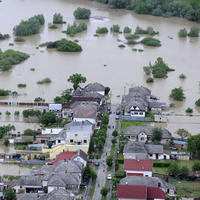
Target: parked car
{"type": "Point", "coordinates": [117, 117]}
{"type": "Point", "coordinates": [96, 163]}
{"type": "Point", "coordinates": [109, 177]}
{"type": "Point", "coordinates": [117, 112]}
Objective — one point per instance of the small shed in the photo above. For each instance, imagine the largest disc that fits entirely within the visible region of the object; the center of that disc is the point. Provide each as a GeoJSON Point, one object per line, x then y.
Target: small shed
{"type": "Point", "coordinates": [161, 118]}
{"type": "Point", "coordinates": [55, 107]}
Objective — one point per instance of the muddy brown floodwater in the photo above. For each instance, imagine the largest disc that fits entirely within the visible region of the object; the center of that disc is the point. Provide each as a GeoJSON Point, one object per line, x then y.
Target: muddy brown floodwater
{"type": "Point", "coordinates": [101, 59]}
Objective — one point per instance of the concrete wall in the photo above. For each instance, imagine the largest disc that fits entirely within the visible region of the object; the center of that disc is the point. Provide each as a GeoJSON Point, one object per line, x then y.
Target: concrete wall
{"type": "Point", "coordinates": [77, 147]}
{"type": "Point", "coordinates": [93, 121]}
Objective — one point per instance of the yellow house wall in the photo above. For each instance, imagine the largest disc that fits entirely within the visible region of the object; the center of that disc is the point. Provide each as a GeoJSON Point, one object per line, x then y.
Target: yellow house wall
{"type": "Point", "coordinates": [77, 147]}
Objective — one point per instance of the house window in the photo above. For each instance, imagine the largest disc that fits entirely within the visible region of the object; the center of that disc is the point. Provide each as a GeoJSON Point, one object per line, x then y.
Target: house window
{"type": "Point", "coordinates": [159, 184]}
{"type": "Point", "coordinates": [79, 143]}
{"type": "Point", "coordinates": [59, 141]}
{"type": "Point", "coordinates": [142, 139]}
{"type": "Point", "coordinates": [76, 134]}
{"type": "Point", "coordinates": [141, 113]}
{"type": "Point", "coordinates": [85, 141]}
{"type": "Point", "coordinates": [150, 155]}
{"type": "Point", "coordinates": [71, 141]}
{"type": "Point", "coordinates": [136, 113]}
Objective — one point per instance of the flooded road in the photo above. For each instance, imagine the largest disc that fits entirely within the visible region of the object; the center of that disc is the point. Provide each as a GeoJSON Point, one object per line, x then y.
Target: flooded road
{"type": "Point", "coordinates": [124, 66]}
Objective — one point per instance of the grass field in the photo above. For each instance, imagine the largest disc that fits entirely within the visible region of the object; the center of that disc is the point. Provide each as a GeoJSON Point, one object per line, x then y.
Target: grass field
{"type": "Point", "coordinates": [181, 163]}
{"type": "Point", "coordinates": [190, 1]}
{"type": "Point", "coordinates": [187, 188]}
{"type": "Point", "coordinates": [126, 124]}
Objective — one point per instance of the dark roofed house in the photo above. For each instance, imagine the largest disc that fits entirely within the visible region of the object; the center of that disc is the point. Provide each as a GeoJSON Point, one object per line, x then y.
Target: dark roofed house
{"type": "Point", "coordinates": [138, 150]}
{"type": "Point", "coordinates": [138, 167]}
{"type": "Point", "coordinates": [131, 192]}
{"type": "Point", "coordinates": [144, 134]}
{"type": "Point", "coordinates": [81, 156]}
{"type": "Point", "coordinates": [95, 87]}
{"type": "Point", "coordinates": [135, 192]}
{"type": "Point", "coordinates": [28, 196]}
{"type": "Point", "coordinates": [150, 182]}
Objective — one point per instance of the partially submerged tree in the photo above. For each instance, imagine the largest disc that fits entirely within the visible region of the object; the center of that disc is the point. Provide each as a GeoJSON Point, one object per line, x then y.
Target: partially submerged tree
{"type": "Point", "coordinates": [76, 79]}
{"type": "Point", "coordinates": [183, 133]}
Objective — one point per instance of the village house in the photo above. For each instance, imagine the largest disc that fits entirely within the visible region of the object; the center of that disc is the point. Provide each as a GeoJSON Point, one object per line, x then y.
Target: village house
{"type": "Point", "coordinates": [61, 175]}
{"type": "Point", "coordinates": [180, 144]}
{"type": "Point", "coordinates": [138, 150]}
{"type": "Point", "coordinates": [138, 167]}
{"type": "Point", "coordinates": [57, 194]}
{"type": "Point", "coordinates": [136, 192]}
{"type": "Point", "coordinates": [180, 155]}
{"type": "Point", "coordinates": [144, 134]}
{"type": "Point", "coordinates": [55, 107]}
{"type": "Point", "coordinates": [139, 101]}
{"type": "Point", "coordinates": [167, 188]}
{"type": "Point", "coordinates": [161, 118]}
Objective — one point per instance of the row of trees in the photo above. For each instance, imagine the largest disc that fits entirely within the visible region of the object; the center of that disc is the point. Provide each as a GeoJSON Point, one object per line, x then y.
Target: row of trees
{"type": "Point", "coordinates": [194, 32]}
{"type": "Point", "coordinates": [186, 9]}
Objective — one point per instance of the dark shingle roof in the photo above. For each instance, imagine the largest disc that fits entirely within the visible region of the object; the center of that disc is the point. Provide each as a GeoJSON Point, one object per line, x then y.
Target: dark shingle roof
{"type": "Point", "coordinates": [94, 87]}
{"type": "Point", "coordinates": [148, 130]}
{"type": "Point", "coordinates": [29, 180]}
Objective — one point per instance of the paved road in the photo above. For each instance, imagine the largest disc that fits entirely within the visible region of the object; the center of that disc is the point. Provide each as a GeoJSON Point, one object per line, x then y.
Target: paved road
{"type": "Point", "coordinates": [102, 170]}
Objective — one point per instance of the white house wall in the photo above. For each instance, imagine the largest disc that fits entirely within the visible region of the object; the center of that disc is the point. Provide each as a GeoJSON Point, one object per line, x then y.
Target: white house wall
{"type": "Point", "coordinates": [93, 121]}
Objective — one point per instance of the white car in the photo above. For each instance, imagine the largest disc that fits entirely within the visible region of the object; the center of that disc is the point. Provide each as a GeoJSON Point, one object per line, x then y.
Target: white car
{"type": "Point", "coordinates": [109, 177]}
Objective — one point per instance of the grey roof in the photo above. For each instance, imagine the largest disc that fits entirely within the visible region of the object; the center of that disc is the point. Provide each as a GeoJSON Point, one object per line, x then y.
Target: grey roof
{"type": "Point", "coordinates": [81, 92]}
{"type": "Point", "coordinates": [88, 104]}
{"type": "Point", "coordinates": [138, 147]}
{"type": "Point", "coordinates": [63, 179]}
{"type": "Point", "coordinates": [94, 87]}
{"type": "Point", "coordinates": [154, 149]}
{"type": "Point", "coordinates": [60, 194]}
{"type": "Point", "coordinates": [140, 90]}
{"type": "Point", "coordinates": [82, 154]}
{"type": "Point", "coordinates": [134, 147]}
{"type": "Point", "coordinates": [29, 181]}
{"type": "Point", "coordinates": [148, 130]}
{"type": "Point", "coordinates": [147, 181]}
{"type": "Point", "coordinates": [27, 196]}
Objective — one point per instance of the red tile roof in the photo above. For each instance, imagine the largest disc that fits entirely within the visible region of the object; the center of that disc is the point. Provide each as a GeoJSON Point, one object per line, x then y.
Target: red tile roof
{"type": "Point", "coordinates": [155, 193]}
{"type": "Point", "coordinates": [132, 192]}
{"type": "Point", "coordinates": [139, 192]}
{"type": "Point", "coordinates": [138, 165]}
{"type": "Point", "coordinates": [64, 156]}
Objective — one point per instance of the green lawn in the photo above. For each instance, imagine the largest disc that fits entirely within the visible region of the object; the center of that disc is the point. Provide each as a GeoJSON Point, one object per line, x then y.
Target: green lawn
{"type": "Point", "coordinates": [187, 188]}
{"type": "Point", "coordinates": [190, 1]}
{"type": "Point", "coordinates": [181, 163]}
{"type": "Point", "coordinates": [126, 124]}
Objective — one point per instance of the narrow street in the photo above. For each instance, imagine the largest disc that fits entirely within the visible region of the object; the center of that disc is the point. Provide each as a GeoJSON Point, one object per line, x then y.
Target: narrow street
{"type": "Point", "coordinates": [102, 170]}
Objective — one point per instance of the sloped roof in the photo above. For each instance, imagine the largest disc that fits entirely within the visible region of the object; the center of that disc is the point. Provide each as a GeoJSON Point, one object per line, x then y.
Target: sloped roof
{"type": "Point", "coordinates": [78, 126]}
{"type": "Point", "coordinates": [54, 106]}
{"type": "Point", "coordinates": [60, 194]}
{"type": "Point", "coordinates": [94, 87]}
{"type": "Point", "coordinates": [155, 193]}
{"type": "Point", "coordinates": [67, 155]}
{"type": "Point", "coordinates": [27, 196]}
{"type": "Point", "coordinates": [84, 113]}
{"type": "Point", "coordinates": [148, 130]}
{"type": "Point", "coordinates": [138, 147]}
{"type": "Point", "coordinates": [138, 165]}
{"type": "Point", "coordinates": [28, 180]}
{"type": "Point", "coordinates": [131, 192]}
{"type": "Point", "coordinates": [147, 181]}
{"type": "Point", "coordinates": [140, 90]}
{"type": "Point", "coordinates": [82, 154]}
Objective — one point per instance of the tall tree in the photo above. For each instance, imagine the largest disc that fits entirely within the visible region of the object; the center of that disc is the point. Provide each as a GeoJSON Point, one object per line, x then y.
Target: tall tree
{"type": "Point", "coordinates": [9, 194]}
{"type": "Point", "coordinates": [193, 145]}
{"type": "Point", "coordinates": [183, 133]}
{"type": "Point", "coordinates": [156, 135]}
{"type": "Point", "coordinates": [76, 79]}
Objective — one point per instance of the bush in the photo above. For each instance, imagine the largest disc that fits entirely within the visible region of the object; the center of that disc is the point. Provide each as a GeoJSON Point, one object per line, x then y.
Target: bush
{"type": "Point", "coordinates": [177, 94]}
{"type": "Point", "coordinates": [189, 110]}
{"type": "Point", "coordinates": [102, 30]}
{"type": "Point", "coordinates": [173, 169]}
{"type": "Point", "coordinates": [161, 164]}
{"type": "Point", "coordinates": [21, 85]}
{"type": "Point", "coordinates": [44, 81]}
{"type": "Point", "coordinates": [31, 113]}
{"type": "Point", "coordinates": [30, 132]}
{"type": "Point", "coordinates": [115, 28]}
{"type": "Point", "coordinates": [197, 103]}
{"type": "Point", "coordinates": [157, 135]}
{"type": "Point", "coordinates": [16, 113]}
{"type": "Point", "coordinates": [132, 37]}
{"type": "Point", "coordinates": [159, 69]}
{"type": "Point", "coordinates": [63, 45]}
{"type": "Point", "coordinates": [182, 33]}
{"type": "Point", "coordinates": [57, 18]}
{"type": "Point", "coordinates": [48, 118]}
{"type": "Point", "coordinates": [104, 191]}
{"type": "Point", "coordinates": [4, 92]}
{"type": "Point", "coordinates": [194, 32]}
{"type": "Point", "coordinates": [6, 142]}
{"type": "Point", "coordinates": [148, 31]}
{"type": "Point", "coordinates": [30, 26]}
{"type": "Point", "coordinates": [149, 80]}
{"type": "Point", "coordinates": [82, 13]}
{"type": "Point", "coordinates": [52, 26]}
{"type": "Point", "coordinates": [121, 46]}
{"type": "Point", "coordinates": [149, 41]}
{"type": "Point", "coordinates": [115, 133]}
{"type": "Point", "coordinates": [4, 36]}
{"type": "Point", "coordinates": [127, 29]}
{"type": "Point", "coordinates": [19, 39]}
{"type": "Point", "coordinates": [196, 166]}
{"type": "Point", "coordinates": [8, 113]}
{"type": "Point", "coordinates": [11, 57]}
{"type": "Point", "coordinates": [39, 99]}
{"type": "Point", "coordinates": [74, 29]}
{"type": "Point", "coordinates": [184, 171]}
{"type": "Point", "coordinates": [109, 161]}
{"type": "Point", "coordinates": [182, 76]}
